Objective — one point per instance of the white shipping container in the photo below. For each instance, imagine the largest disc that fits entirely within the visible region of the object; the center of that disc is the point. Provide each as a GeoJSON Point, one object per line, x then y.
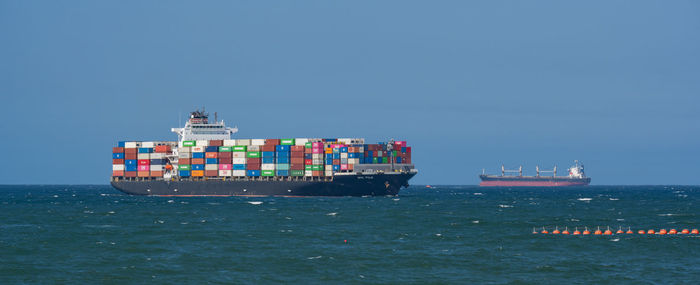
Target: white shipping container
{"type": "Point", "coordinates": [157, 155]}
{"type": "Point", "coordinates": [308, 173]}
{"type": "Point", "coordinates": [184, 149]}
{"type": "Point", "coordinates": [229, 142]}
{"type": "Point", "coordinates": [329, 167]}
{"type": "Point", "coordinates": [267, 166]}
{"type": "Point", "coordinates": [157, 167]}
{"type": "Point", "coordinates": [197, 149]}
{"type": "Point", "coordinates": [238, 160]}
{"type": "Point", "coordinates": [184, 155]}
{"type": "Point", "coordinates": [117, 167]}
{"type": "Point", "coordinates": [243, 141]}
{"type": "Point", "coordinates": [238, 155]}
{"type": "Point", "coordinates": [211, 167]}
{"type": "Point", "coordinates": [329, 173]}
{"type": "Point", "coordinates": [254, 148]}
{"type": "Point", "coordinates": [300, 141]}
{"type": "Point", "coordinates": [379, 153]}
{"type": "Point", "coordinates": [224, 172]}
{"type": "Point", "coordinates": [257, 142]}
{"type": "Point", "coordinates": [317, 156]}
{"type": "Point", "coordinates": [238, 173]}
{"type": "Point", "coordinates": [317, 161]}
{"type": "Point", "coordinates": [203, 143]}
{"type": "Point", "coordinates": [148, 144]}
{"type": "Point", "coordinates": [143, 156]}
{"type": "Point", "coordinates": [131, 144]}
{"type": "Point", "coordinates": [343, 155]}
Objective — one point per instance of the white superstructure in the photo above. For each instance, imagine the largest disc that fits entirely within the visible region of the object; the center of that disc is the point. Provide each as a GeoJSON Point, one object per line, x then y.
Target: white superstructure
{"type": "Point", "coordinates": [576, 171]}
{"type": "Point", "coordinates": [198, 127]}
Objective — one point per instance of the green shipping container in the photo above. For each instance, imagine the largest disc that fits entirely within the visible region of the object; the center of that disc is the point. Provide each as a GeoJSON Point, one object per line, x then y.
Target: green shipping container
{"type": "Point", "coordinates": [394, 153]}
{"type": "Point", "coordinates": [374, 160]}
{"type": "Point", "coordinates": [296, 172]}
{"type": "Point", "coordinates": [240, 148]}
{"type": "Point", "coordinates": [184, 167]}
{"type": "Point", "coordinates": [308, 145]}
{"type": "Point", "coordinates": [189, 143]}
{"type": "Point", "coordinates": [287, 141]}
{"type": "Point", "coordinates": [268, 173]}
{"type": "Point", "coordinates": [308, 167]}
{"type": "Point", "coordinates": [225, 149]}
{"type": "Point", "coordinates": [385, 160]}
{"type": "Point", "coordinates": [317, 167]}
{"type": "Point", "coordinates": [253, 154]}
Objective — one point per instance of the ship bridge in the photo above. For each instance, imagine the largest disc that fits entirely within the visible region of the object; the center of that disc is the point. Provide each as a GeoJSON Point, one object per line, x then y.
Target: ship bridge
{"type": "Point", "coordinates": [198, 127]}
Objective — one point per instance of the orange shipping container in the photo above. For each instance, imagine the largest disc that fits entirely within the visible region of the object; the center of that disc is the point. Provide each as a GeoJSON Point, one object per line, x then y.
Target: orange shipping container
{"type": "Point", "coordinates": [211, 155]}
{"type": "Point", "coordinates": [299, 148]}
{"type": "Point", "coordinates": [197, 173]}
{"type": "Point", "coordinates": [183, 161]}
{"type": "Point", "coordinates": [350, 167]}
{"type": "Point", "coordinates": [163, 148]}
{"type": "Point", "coordinates": [130, 173]}
{"type": "Point", "coordinates": [118, 161]}
{"type": "Point", "coordinates": [156, 173]}
{"type": "Point", "coordinates": [316, 173]}
{"type": "Point", "coordinates": [216, 143]}
{"type": "Point", "coordinates": [131, 150]}
{"type": "Point", "coordinates": [267, 148]}
{"type": "Point", "coordinates": [272, 142]}
{"type": "Point", "coordinates": [297, 160]}
{"type": "Point", "coordinates": [144, 174]}
{"type": "Point", "coordinates": [211, 173]}
{"type": "Point", "coordinates": [197, 161]}
{"type": "Point", "coordinates": [329, 150]}
{"type": "Point", "coordinates": [131, 156]}
{"type": "Point", "coordinates": [117, 149]}
{"type": "Point", "coordinates": [118, 173]}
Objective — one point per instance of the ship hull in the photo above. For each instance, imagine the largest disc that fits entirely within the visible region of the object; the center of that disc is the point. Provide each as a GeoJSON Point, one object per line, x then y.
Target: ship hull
{"type": "Point", "coordinates": [514, 181]}
{"type": "Point", "coordinates": [345, 185]}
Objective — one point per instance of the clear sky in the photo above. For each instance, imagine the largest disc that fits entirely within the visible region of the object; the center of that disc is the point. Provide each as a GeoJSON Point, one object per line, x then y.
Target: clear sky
{"type": "Point", "coordinates": [469, 84]}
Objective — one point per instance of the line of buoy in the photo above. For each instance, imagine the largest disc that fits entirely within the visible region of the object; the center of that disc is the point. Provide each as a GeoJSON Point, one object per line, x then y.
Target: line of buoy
{"type": "Point", "coordinates": [619, 231]}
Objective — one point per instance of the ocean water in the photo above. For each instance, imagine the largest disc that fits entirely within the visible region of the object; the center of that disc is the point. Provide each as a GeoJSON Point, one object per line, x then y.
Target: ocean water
{"type": "Point", "coordinates": [450, 234]}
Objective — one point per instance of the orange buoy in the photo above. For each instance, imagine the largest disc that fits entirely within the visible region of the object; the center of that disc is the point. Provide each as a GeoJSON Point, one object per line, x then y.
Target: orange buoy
{"type": "Point", "coordinates": [672, 232]}
{"type": "Point", "coordinates": [566, 231]}
{"type": "Point", "coordinates": [608, 232]}
{"type": "Point", "coordinates": [597, 232]}
{"type": "Point", "coordinates": [619, 231]}
{"type": "Point", "coordinates": [662, 232]}
{"type": "Point", "coordinates": [556, 231]}
{"type": "Point", "coordinates": [629, 231]}
{"type": "Point", "coordinates": [685, 231]}
{"type": "Point", "coordinates": [544, 231]}
{"type": "Point", "coordinates": [576, 232]}
{"type": "Point", "coordinates": [694, 232]}
{"type": "Point", "coordinates": [641, 232]}
{"type": "Point", "coordinates": [586, 231]}
{"type": "Point", "coordinates": [651, 232]}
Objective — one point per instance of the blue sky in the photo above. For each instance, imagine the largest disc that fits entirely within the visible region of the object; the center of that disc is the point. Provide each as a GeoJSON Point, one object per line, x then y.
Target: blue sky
{"type": "Point", "coordinates": [469, 84]}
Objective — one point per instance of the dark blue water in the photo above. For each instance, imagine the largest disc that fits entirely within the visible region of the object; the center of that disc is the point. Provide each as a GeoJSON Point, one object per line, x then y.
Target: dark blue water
{"type": "Point", "coordinates": [465, 234]}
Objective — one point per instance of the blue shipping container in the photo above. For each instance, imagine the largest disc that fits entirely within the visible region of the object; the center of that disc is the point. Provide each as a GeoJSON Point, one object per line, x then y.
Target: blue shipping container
{"type": "Point", "coordinates": [282, 172]}
{"type": "Point", "coordinates": [308, 156]}
{"type": "Point", "coordinates": [329, 161]}
{"type": "Point", "coordinates": [282, 159]}
{"type": "Point", "coordinates": [197, 155]}
{"type": "Point", "coordinates": [336, 155]}
{"type": "Point", "coordinates": [157, 161]}
{"type": "Point", "coordinates": [131, 162]}
{"type": "Point", "coordinates": [252, 173]}
{"type": "Point", "coordinates": [212, 161]}
{"type": "Point", "coordinates": [281, 148]}
{"type": "Point", "coordinates": [121, 144]}
{"type": "Point", "coordinates": [268, 154]}
{"type": "Point", "coordinates": [117, 155]}
{"type": "Point", "coordinates": [370, 153]}
{"type": "Point", "coordinates": [336, 167]}
{"type": "Point", "coordinates": [239, 167]}
{"type": "Point", "coordinates": [403, 149]}
{"type": "Point", "coordinates": [197, 166]}
{"type": "Point", "coordinates": [336, 150]}
{"type": "Point", "coordinates": [283, 153]}
{"type": "Point", "coordinates": [344, 149]}
{"type": "Point", "coordinates": [211, 149]}
{"type": "Point", "coordinates": [329, 156]}
{"type": "Point", "coordinates": [184, 173]}
{"type": "Point", "coordinates": [353, 155]}
{"type": "Point", "coordinates": [330, 140]}
{"type": "Point", "coordinates": [398, 159]}
{"type": "Point", "coordinates": [131, 167]}
{"type": "Point", "coordinates": [145, 150]}
{"type": "Point", "coordinates": [268, 159]}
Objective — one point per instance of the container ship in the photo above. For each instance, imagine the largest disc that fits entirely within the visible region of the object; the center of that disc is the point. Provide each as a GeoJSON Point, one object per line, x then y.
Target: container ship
{"type": "Point", "coordinates": [206, 161]}
{"type": "Point", "coordinates": [576, 177]}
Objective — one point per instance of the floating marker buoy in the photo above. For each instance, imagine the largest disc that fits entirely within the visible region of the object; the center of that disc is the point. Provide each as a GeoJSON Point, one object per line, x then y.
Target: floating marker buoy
{"type": "Point", "coordinates": [544, 231]}
{"type": "Point", "coordinates": [685, 231]}
{"type": "Point", "coordinates": [619, 231]}
{"type": "Point", "coordinates": [651, 232]}
{"type": "Point", "coordinates": [641, 232]}
{"type": "Point", "coordinates": [672, 232]}
{"type": "Point", "coordinates": [576, 232]}
{"type": "Point", "coordinates": [694, 232]}
{"type": "Point", "coordinates": [597, 232]}
{"type": "Point", "coordinates": [556, 231]}
{"type": "Point", "coordinates": [662, 232]}
{"type": "Point", "coordinates": [586, 231]}
{"type": "Point", "coordinates": [629, 231]}
{"type": "Point", "coordinates": [608, 232]}
{"type": "Point", "coordinates": [566, 231]}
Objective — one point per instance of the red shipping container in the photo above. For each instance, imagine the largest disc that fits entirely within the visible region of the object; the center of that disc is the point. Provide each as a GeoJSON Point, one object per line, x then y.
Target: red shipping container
{"type": "Point", "coordinates": [197, 161]}
{"type": "Point", "coordinates": [256, 160]}
{"type": "Point", "coordinates": [130, 174]}
{"type": "Point", "coordinates": [131, 156]}
{"type": "Point", "coordinates": [118, 161]}
{"type": "Point", "coordinates": [118, 173]}
{"type": "Point", "coordinates": [216, 143]}
{"type": "Point", "coordinates": [297, 154]}
{"type": "Point", "coordinates": [211, 155]}
{"type": "Point", "coordinates": [183, 161]}
{"type": "Point", "coordinates": [227, 160]}
{"type": "Point", "coordinates": [131, 150]}
{"type": "Point", "coordinates": [350, 166]}
{"type": "Point", "coordinates": [408, 149]}
{"type": "Point", "coordinates": [308, 150]}
{"type": "Point", "coordinates": [211, 173]}
{"type": "Point", "coordinates": [117, 150]}
{"type": "Point", "coordinates": [144, 162]}
{"type": "Point", "coordinates": [163, 149]}
{"type": "Point", "coordinates": [225, 155]}
{"type": "Point", "coordinates": [299, 148]}
{"type": "Point", "coordinates": [267, 148]}
{"type": "Point", "coordinates": [297, 160]}
{"type": "Point", "coordinates": [297, 166]}
{"type": "Point", "coordinates": [336, 161]}
{"type": "Point", "coordinates": [156, 173]}
{"type": "Point", "coordinates": [308, 161]}
{"type": "Point", "coordinates": [144, 173]}
{"type": "Point", "coordinates": [316, 173]}
{"type": "Point", "coordinates": [252, 166]}
{"type": "Point", "coordinates": [272, 142]}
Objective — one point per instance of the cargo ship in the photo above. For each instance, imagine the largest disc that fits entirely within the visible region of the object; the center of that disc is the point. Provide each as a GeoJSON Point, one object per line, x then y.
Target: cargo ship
{"type": "Point", "coordinates": [206, 161]}
{"type": "Point", "coordinates": [576, 177]}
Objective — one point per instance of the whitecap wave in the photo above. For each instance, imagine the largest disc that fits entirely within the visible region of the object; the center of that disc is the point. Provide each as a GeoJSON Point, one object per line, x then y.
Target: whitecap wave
{"type": "Point", "coordinates": [255, 202]}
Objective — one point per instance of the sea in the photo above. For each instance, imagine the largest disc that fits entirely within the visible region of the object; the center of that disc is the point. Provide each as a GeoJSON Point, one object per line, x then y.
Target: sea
{"type": "Point", "coordinates": [441, 235]}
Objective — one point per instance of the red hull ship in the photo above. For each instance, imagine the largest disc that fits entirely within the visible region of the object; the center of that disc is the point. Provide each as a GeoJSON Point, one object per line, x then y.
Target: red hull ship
{"type": "Point", "coordinates": [576, 177]}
